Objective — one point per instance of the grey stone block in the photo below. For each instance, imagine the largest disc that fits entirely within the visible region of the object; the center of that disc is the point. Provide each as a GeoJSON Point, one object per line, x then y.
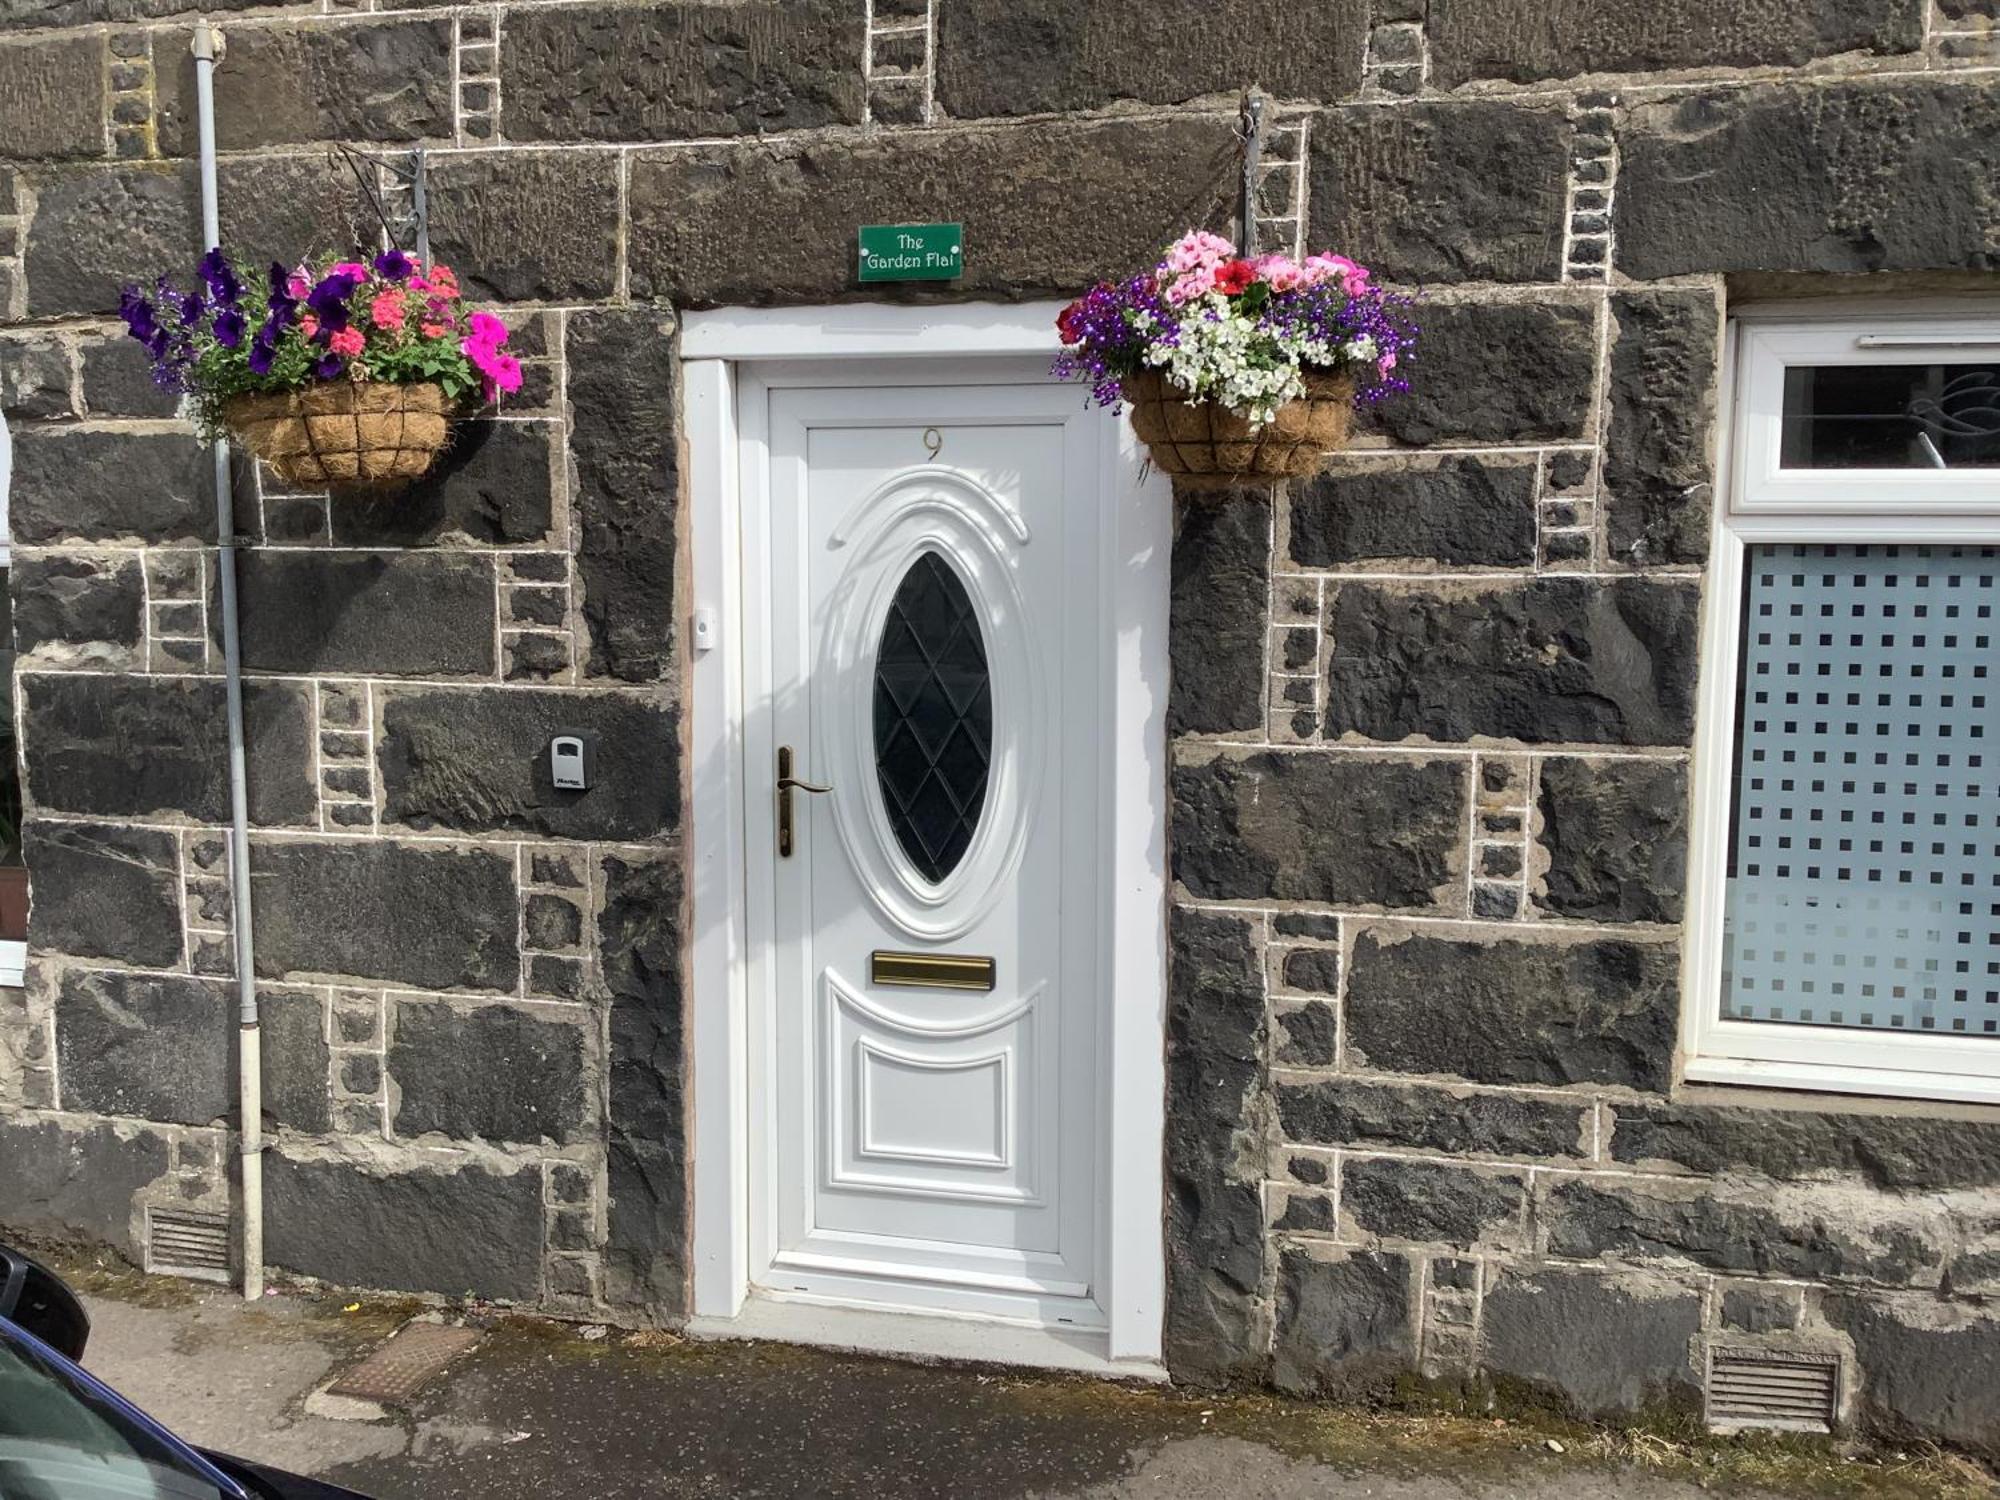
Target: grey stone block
{"type": "Point", "coordinates": [1899, 1152]}
{"type": "Point", "coordinates": [64, 1181]}
{"type": "Point", "coordinates": [1308, 1036]}
{"type": "Point", "coordinates": [1400, 1199]}
{"type": "Point", "coordinates": [295, 1060]}
{"type": "Point", "coordinates": [420, 614]}
{"type": "Point", "coordinates": [479, 761]}
{"type": "Point", "coordinates": [1015, 191]}
{"type": "Point", "coordinates": [1516, 1010]}
{"type": "Point", "coordinates": [492, 485]}
{"type": "Point", "coordinates": [1755, 1309]}
{"type": "Point", "coordinates": [129, 746]}
{"type": "Point", "coordinates": [528, 226]}
{"type": "Point", "coordinates": [1218, 604]}
{"type": "Point", "coordinates": [1512, 40]}
{"type": "Point", "coordinates": [1215, 1218]}
{"type": "Point", "coordinates": [97, 228]}
{"type": "Point", "coordinates": [1021, 57]}
{"type": "Point", "coordinates": [681, 71]}
{"type": "Point", "coordinates": [1748, 1231]}
{"type": "Point", "coordinates": [387, 81]}
{"type": "Point", "coordinates": [1254, 825]}
{"type": "Point", "coordinates": [52, 97]}
{"type": "Point", "coordinates": [1459, 190]}
{"type": "Point", "coordinates": [471, 1231]}
{"type": "Point", "coordinates": [102, 891]}
{"type": "Point", "coordinates": [624, 405]}
{"type": "Point", "coordinates": [1495, 372]}
{"type": "Point", "coordinates": [551, 922]}
{"type": "Point", "coordinates": [1927, 1368]}
{"type": "Point", "coordinates": [1461, 511]}
{"type": "Point", "coordinates": [274, 206]}
{"type": "Point", "coordinates": [78, 600]}
{"type": "Point", "coordinates": [1849, 177]}
{"type": "Point", "coordinates": [1616, 836]}
{"type": "Point", "coordinates": [110, 486]}
{"type": "Point", "coordinates": [1344, 1327]}
{"type": "Point", "coordinates": [1599, 1343]}
{"type": "Point", "coordinates": [118, 380]}
{"type": "Point", "coordinates": [639, 947]}
{"type": "Point", "coordinates": [1314, 969]}
{"type": "Point", "coordinates": [424, 915]}
{"type": "Point", "coordinates": [486, 1072]}
{"type": "Point", "coordinates": [1349, 1111]}
{"type": "Point", "coordinates": [34, 380]}
{"type": "Point", "coordinates": [1549, 661]}
{"type": "Point", "coordinates": [158, 1046]}
{"type": "Point", "coordinates": [1658, 479]}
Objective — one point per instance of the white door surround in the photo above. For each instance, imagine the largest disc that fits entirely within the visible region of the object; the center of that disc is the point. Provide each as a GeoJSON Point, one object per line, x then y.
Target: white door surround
{"type": "Point", "coordinates": [739, 368]}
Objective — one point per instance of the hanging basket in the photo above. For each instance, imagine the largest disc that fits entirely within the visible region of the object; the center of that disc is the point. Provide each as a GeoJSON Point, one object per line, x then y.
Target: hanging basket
{"type": "Point", "coordinates": [344, 432]}
{"type": "Point", "coordinates": [1206, 446]}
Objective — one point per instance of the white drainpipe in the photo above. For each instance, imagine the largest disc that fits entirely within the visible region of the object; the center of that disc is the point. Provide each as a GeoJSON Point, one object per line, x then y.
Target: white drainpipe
{"type": "Point", "coordinates": [208, 47]}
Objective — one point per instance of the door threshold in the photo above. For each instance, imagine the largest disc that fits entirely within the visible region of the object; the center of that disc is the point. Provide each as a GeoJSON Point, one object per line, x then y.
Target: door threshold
{"type": "Point", "coordinates": [793, 1319]}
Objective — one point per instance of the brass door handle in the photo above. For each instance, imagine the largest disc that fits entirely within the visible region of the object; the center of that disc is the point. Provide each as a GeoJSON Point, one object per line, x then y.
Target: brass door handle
{"type": "Point", "coordinates": [787, 784]}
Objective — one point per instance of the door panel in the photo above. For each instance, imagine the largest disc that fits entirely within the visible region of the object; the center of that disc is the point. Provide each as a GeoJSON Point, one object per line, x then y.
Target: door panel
{"type": "Point", "coordinates": [932, 627]}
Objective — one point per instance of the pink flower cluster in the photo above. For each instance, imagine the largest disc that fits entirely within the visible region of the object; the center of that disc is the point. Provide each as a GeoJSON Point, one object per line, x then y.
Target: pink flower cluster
{"type": "Point", "coordinates": [502, 372]}
{"type": "Point", "coordinates": [1200, 263]}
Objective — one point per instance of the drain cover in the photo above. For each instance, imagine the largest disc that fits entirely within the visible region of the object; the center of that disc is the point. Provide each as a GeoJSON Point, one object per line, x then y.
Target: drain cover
{"type": "Point", "coordinates": [400, 1368]}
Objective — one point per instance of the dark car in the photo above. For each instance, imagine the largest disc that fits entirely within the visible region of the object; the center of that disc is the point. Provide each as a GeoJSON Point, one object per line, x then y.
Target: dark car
{"type": "Point", "coordinates": [66, 1435]}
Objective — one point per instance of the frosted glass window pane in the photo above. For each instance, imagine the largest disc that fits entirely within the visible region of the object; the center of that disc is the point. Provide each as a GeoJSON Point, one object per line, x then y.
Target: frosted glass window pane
{"type": "Point", "coordinates": [1864, 871]}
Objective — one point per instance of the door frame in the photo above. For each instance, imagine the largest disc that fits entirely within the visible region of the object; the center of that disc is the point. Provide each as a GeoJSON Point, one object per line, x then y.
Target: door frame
{"type": "Point", "coordinates": [878, 344]}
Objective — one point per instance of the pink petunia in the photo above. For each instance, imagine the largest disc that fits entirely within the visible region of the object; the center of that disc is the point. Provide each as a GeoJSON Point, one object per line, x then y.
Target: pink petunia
{"type": "Point", "coordinates": [348, 342]}
{"type": "Point", "coordinates": [1191, 284]}
{"type": "Point", "coordinates": [1194, 250]}
{"type": "Point", "coordinates": [352, 268]}
{"type": "Point", "coordinates": [488, 329]}
{"type": "Point", "coordinates": [1280, 272]}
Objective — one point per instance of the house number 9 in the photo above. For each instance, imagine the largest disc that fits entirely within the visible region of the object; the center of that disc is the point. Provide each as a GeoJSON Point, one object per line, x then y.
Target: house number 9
{"type": "Point", "coordinates": [933, 440]}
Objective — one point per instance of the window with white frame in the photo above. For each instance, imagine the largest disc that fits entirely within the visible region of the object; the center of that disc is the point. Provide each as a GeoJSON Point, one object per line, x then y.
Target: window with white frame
{"type": "Point", "coordinates": [1845, 907]}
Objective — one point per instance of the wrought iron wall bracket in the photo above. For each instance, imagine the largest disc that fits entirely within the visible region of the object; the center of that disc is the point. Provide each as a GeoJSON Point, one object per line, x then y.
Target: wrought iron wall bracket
{"type": "Point", "coordinates": [412, 168]}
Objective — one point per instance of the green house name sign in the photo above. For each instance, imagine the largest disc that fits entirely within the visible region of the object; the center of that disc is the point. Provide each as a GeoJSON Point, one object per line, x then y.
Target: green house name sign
{"type": "Point", "coordinates": [912, 252]}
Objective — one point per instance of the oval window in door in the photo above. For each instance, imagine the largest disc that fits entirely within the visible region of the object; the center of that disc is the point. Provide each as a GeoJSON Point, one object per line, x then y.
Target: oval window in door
{"type": "Point", "coordinates": [933, 717]}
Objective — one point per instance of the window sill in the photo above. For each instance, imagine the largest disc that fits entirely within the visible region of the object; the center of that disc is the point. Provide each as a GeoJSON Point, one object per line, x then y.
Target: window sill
{"type": "Point", "coordinates": [13, 965]}
{"type": "Point", "coordinates": [1820, 1078]}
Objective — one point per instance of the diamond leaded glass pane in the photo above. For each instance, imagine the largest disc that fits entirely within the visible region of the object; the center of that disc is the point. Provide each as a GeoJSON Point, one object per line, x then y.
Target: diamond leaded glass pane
{"type": "Point", "coordinates": [933, 717]}
{"type": "Point", "coordinates": [1864, 871]}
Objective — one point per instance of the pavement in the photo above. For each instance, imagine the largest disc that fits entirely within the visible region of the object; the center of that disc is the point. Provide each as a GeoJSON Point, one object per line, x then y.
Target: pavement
{"type": "Point", "coordinates": [539, 1408]}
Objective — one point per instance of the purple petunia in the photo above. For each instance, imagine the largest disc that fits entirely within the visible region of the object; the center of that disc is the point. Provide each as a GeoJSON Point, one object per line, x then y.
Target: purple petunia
{"type": "Point", "coordinates": [263, 353]}
{"type": "Point", "coordinates": [393, 265]}
{"type": "Point", "coordinates": [220, 278]}
{"type": "Point", "coordinates": [327, 368]}
{"type": "Point", "coordinates": [328, 301]}
{"type": "Point", "coordinates": [228, 328]}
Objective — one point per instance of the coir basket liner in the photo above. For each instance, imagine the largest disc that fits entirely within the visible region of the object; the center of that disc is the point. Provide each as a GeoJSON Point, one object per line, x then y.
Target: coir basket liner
{"type": "Point", "coordinates": [1209, 446]}
{"type": "Point", "coordinates": [344, 431]}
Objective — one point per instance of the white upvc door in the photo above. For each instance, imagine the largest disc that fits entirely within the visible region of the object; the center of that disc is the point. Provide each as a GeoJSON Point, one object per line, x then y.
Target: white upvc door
{"type": "Point", "coordinates": [923, 628]}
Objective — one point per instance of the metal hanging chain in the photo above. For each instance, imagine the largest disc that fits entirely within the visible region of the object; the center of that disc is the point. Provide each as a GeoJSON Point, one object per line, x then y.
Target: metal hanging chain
{"type": "Point", "coordinates": [1250, 134]}
{"type": "Point", "coordinates": [415, 173]}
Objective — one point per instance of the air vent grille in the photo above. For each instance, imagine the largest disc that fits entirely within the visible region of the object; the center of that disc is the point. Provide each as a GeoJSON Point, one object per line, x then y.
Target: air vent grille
{"type": "Point", "coordinates": [1781, 1388]}
{"type": "Point", "coordinates": [179, 1243]}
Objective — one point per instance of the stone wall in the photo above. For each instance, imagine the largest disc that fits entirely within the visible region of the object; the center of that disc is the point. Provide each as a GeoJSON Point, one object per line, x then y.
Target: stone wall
{"type": "Point", "coordinates": [1431, 712]}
